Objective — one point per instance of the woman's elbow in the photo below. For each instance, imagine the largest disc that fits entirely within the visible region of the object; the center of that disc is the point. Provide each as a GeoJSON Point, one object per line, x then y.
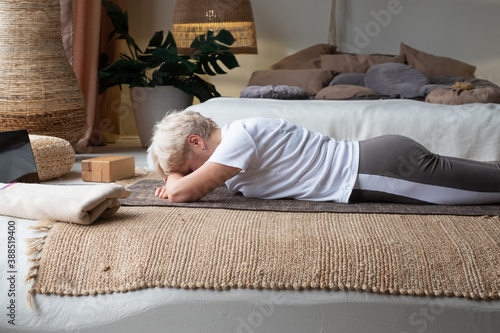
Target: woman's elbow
{"type": "Point", "coordinates": [179, 199]}
{"type": "Point", "coordinates": [176, 196]}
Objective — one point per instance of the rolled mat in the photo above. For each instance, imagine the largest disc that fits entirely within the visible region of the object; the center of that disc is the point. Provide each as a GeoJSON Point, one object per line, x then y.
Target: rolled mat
{"type": "Point", "coordinates": [82, 204]}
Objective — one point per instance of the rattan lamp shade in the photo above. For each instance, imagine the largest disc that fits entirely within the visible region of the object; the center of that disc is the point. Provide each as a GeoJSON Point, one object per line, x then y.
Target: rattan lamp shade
{"type": "Point", "coordinates": [38, 88]}
{"type": "Point", "coordinates": [195, 17]}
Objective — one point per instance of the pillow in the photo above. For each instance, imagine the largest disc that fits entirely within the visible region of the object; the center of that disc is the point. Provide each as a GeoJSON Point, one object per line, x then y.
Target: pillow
{"type": "Point", "coordinates": [450, 80]}
{"type": "Point", "coordinates": [54, 157]}
{"type": "Point", "coordinates": [357, 79]}
{"type": "Point", "coordinates": [395, 79]}
{"type": "Point", "coordinates": [275, 92]}
{"type": "Point", "coordinates": [431, 65]}
{"type": "Point", "coordinates": [311, 80]}
{"type": "Point", "coordinates": [344, 91]}
{"type": "Point", "coordinates": [426, 89]}
{"type": "Point", "coordinates": [456, 96]}
{"type": "Point", "coordinates": [305, 59]}
{"type": "Point", "coordinates": [355, 63]}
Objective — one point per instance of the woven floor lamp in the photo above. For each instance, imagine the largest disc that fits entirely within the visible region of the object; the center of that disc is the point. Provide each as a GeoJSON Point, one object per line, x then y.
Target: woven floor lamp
{"type": "Point", "coordinates": [195, 17]}
{"type": "Point", "coordinates": [38, 88]}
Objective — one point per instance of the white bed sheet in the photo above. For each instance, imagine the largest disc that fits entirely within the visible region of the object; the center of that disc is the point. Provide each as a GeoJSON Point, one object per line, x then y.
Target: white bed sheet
{"type": "Point", "coordinates": [469, 131]}
{"type": "Point", "coordinates": [237, 310]}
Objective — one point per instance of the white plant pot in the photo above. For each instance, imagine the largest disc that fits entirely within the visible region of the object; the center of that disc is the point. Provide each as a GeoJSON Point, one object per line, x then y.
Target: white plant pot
{"type": "Point", "coordinates": [150, 105]}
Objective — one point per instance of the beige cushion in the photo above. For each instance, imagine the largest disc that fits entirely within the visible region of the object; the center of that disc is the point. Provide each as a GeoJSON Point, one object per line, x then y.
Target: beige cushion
{"type": "Point", "coordinates": [54, 157]}
{"type": "Point", "coordinates": [311, 80]}
{"type": "Point", "coordinates": [456, 96]}
{"type": "Point", "coordinates": [344, 91]}
{"type": "Point", "coordinates": [306, 58]}
{"type": "Point", "coordinates": [431, 65]}
{"type": "Point", "coordinates": [356, 63]}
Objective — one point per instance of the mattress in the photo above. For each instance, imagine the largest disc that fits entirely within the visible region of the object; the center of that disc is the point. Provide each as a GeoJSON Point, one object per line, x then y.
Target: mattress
{"type": "Point", "coordinates": [235, 310]}
{"type": "Point", "coordinates": [468, 131]}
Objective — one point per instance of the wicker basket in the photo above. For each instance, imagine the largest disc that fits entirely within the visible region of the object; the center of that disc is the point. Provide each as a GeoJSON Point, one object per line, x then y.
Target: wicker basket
{"type": "Point", "coordinates": [38, 88]}
{"type": "Point", "coordinates": [54, 157]}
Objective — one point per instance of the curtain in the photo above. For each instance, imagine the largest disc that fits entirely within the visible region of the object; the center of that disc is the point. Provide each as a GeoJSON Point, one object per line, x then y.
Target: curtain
{"type": "Point", "coordinates": [332, 31]}
{"type": "Point", "coordinates": [85, 29]}
{"type": "Point", "coordinates": [336, 28]}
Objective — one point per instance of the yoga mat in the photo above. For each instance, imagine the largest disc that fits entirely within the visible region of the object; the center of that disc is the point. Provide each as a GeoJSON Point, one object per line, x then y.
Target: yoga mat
{"type": "Point", "coordinates": [143, 195]}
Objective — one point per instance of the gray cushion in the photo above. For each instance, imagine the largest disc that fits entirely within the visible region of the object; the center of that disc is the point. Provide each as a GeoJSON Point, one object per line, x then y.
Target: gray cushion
{"type": "Point", "coordinates": [356, 79]}
{"type": "Point", "coordinates": [344, 91]}
{"type": "Point", "coordinates": [450, 80]}
{"type": "Point", "coordinates": [395, 79]}
{"type": "Point", "coordinates": [428, 88]}
{"type": "Point", "coordinates": [275, 92]}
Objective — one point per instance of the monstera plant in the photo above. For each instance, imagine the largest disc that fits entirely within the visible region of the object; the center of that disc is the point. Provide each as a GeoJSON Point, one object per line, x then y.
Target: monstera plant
{"type": "Point", "coordinates": [161, 80]}
{"type": "Point", "coordinates": [160, 64]}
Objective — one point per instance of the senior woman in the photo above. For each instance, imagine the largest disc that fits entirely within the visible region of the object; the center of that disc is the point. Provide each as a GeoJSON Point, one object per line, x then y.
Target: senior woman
{"type": "Point", "coordinates": [273, 158]}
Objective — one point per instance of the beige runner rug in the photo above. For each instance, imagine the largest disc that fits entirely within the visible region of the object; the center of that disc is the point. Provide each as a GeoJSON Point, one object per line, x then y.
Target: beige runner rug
{"type": "Point", "coordinates": [142, 247]}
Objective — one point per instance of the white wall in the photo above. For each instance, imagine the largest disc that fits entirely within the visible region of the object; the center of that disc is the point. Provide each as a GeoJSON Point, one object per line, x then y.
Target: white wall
{"type": "Point", "coordinates": [468, 30]}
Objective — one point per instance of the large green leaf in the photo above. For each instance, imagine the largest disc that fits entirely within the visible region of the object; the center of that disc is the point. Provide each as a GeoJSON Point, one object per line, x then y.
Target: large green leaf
{"type": "Point", "coordinates": [125, 65]}
{"type": "Point", "coordinates": [210, 43]}
{"type": "Point", "coordinates": [228, 59]}
{"type": "Point", "coordinates": [119, 19]}
{"type": "Point", "coordinates": [156, 40]}
{"type": "Point", "coordinates": [160, 63]}
{"type": "Point", "coordinates": [198, 87]}
{"type": "Point", "coordinates": [225, 37]}
{"type": "Point", "coordinates": [209, 64]}
{"type": "Point", "coordinates": [120, 72]}
{"type": "Point", "coordinates": [169, 43]}
{"type": "Point", "coordinates": [171, 59]}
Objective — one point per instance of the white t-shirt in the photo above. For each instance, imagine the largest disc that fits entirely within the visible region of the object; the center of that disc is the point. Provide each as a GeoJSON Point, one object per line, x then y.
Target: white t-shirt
{"type": "Point", "coordinates": [281, 160]}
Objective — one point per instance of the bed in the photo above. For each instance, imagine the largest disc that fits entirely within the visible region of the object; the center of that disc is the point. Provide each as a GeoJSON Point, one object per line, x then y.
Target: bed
{"type": "Point", "coordinates": [434, 100]}
{"type": "Point", "coordinates": [468, 130]}
{"type": "Point", "coordinates": [356, 97]}
{"type": "Point", "coordinates": [450, 130]}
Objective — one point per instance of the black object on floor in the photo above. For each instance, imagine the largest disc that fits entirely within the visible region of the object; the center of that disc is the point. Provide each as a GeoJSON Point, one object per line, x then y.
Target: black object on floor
{"type": "Point", "coordinates": [17, 163]}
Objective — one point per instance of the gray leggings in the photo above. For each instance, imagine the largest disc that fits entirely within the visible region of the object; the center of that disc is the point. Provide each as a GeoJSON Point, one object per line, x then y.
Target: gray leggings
{"type": "Point", "coordinates": [397, 169]}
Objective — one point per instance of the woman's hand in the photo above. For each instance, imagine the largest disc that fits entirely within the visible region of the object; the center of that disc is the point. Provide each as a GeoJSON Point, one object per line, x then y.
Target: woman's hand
{"type": "Point", "coordinates": [191, 187]}
{"type": "Point", "coordinates": [161, 192]}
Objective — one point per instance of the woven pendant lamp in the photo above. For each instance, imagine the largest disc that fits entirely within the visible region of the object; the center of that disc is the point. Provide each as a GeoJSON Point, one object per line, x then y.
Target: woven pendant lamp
{"type": "Point", "coordinates": [195, 17]}
{"type": "Point", "coordinates": [38, 88]}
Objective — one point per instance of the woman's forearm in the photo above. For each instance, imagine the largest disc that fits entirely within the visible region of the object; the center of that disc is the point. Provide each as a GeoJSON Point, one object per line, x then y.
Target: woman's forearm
{"type": "Point", "coordinates": [177, 190]}
{"type": "Point", "coordinates": [184, 188]}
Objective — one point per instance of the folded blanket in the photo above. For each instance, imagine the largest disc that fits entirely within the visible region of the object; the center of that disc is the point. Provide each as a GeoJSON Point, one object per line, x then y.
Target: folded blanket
{"type": "Point", "coordinates": [82, 204]}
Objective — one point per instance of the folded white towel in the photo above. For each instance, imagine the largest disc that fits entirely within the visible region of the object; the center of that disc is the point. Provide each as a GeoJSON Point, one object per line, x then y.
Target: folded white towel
{"type": "Point", "coordinates": [81, 204]}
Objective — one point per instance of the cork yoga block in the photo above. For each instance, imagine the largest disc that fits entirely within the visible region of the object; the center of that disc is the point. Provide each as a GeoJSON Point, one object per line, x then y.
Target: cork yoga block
{"type": "Point", "coordinates": [107, 169]}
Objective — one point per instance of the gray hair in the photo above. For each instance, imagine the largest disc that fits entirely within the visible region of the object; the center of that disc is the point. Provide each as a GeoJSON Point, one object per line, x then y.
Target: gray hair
{"type": "Point", "coordinates": [169, 146]}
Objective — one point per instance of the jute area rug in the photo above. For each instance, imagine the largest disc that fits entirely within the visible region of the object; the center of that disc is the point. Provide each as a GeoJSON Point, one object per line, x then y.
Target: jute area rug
{"type": "Point", "coordinates": [143, 247]}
